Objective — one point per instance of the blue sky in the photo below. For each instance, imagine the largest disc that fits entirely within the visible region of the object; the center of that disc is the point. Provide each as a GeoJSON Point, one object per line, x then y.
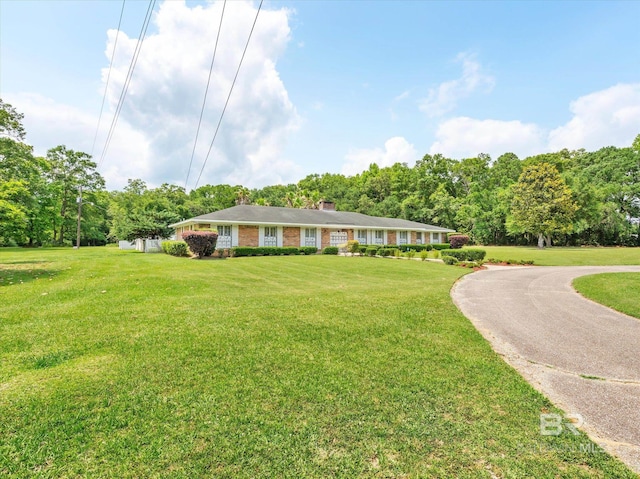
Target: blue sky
{"type": "Point", "coordinates": [327, 86]}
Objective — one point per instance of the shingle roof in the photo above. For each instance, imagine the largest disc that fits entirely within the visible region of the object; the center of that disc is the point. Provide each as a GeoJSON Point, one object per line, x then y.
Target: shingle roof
{"type": "Point", "coordinates": [251, 214]}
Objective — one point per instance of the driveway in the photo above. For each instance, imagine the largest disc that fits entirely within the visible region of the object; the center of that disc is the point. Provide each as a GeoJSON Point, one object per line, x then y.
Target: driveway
{"type": "Point", "coordinates": [583, 356]}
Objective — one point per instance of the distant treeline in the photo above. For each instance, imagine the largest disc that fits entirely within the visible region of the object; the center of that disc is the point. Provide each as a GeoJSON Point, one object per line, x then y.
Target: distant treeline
{"type": "Point", "coordinates": [567, 197]}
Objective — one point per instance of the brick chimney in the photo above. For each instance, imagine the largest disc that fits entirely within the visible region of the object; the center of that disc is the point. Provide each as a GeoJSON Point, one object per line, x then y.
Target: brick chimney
{"type": "Point", "coordinates": [327, 205]}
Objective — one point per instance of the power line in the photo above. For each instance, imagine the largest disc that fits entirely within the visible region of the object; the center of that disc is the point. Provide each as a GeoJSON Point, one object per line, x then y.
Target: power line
{"type": "Point", "coordinates": [229, 96]}
{"type": "Point", "coordinates": [104, 95]}
{"type": "Point", "coordinates": [206, 91]}
{"type": "Point", "coordinates": [125, 87]}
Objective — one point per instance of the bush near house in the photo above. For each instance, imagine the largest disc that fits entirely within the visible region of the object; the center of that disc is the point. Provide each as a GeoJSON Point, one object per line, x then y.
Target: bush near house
{"type": "Point", "coordinates": [371, 250]}
{"type": "Point", "coordinates": [450, 260]}
{"type": "Point", "coordinates": [440, 246]}
{"type": "Point", "coordinates": [353, 246]}
{"type": "Point", "coordinates": [465, 254]}
{"type": "Point", "coordinates": [240, 251]}
{"type": "Point", "coordinates": [175, 248]}
{"type": "Point", "coordinates": [330, 250]}
{"type": "Point", "coordinates": [415, 247]}
{"type": "Point", "coordinates": [201, 243]}
{"type": "Point", "coordinates": [458, 241]}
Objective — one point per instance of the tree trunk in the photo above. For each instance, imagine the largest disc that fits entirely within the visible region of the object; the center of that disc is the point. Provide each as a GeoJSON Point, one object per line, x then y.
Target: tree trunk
{"type": "Point", "coordinates": [540, 240]}
{"type": "Point", "coordinates": [548, 239]}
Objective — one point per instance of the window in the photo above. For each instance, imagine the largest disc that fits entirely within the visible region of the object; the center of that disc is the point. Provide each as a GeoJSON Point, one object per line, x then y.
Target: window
{"type": "Point", "coordinates": [309, 236]}
{"type": "Point", "coordinates": [270, 238]}
{"type": "Point", "coordinates": [403, 238]}
{"type": "Point", "coordinates": [379, 237]}
{"type": "Point", "coordinates": [361, 236]}
{"type": "Point", "coordinates": [419, 237]}
{"type": "Point", "coordinates": [224, 236]}
{"type": "Point", "coordinates": [435, 237]}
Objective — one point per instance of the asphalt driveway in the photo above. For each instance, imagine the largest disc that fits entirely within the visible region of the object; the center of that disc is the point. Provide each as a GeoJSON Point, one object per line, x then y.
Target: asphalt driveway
{"type": "Point", "coordinates": [583, 356]}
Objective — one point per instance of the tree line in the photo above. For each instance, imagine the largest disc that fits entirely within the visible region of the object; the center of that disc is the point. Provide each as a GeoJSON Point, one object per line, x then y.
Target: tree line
{"type": "Point", "coordinates": [567, 197]}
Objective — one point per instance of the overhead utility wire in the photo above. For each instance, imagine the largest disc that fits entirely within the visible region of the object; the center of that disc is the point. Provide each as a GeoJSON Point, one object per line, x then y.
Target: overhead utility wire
{"type": "Point", "coordinates": [229, 96]}
{"type": "Point", "coordinates": [127, 81]}
{"type": "Point", "coordinates": [104, 95]}
{"type": "Point", "coordinates": [204, 101]}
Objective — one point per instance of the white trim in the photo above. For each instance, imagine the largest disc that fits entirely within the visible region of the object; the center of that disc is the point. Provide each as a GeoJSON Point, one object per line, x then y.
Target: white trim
{"type": "Point", "coordinates": [279, 235]}
{"type": "Point", "coordinates": [235, 235]}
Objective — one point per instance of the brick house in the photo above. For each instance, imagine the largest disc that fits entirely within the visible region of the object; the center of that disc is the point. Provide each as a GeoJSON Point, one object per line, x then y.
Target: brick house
{"type": "Point", "coordinates": [249, 225]}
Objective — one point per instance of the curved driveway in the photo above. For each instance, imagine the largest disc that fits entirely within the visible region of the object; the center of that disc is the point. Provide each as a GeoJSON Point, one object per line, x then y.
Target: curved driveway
{"type": "Point", "coordinates": [584, 356]}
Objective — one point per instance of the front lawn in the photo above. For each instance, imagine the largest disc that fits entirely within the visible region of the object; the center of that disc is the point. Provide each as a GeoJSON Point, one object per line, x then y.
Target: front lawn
{"type": "Point", "coordinates": [563, 256]}
{"type": "Point", "coordinates": [123, 364]}
{"type": "Point", "coordinates": [619, 291]}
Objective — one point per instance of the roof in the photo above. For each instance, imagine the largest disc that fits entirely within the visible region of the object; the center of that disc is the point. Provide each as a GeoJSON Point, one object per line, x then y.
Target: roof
{"type": "Point", "coordinates": [251, 214]}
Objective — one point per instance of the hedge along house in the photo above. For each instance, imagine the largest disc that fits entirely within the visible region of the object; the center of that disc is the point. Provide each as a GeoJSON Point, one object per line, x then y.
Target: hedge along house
{"type": "Point", "coordinates": [248, 225]}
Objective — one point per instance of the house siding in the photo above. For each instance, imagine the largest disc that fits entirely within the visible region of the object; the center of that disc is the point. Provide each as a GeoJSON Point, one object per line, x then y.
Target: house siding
{"type": "Point", "coordinates": [291, 236]}
{"type": "Point", "coordinates": [413, 238]}
{"type": "Point", "coordinates": [248, 235]}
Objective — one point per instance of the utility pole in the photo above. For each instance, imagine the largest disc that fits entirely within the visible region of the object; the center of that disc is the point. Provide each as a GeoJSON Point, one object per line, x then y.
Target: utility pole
{"type": "Point", "coordinates": [79, 218]}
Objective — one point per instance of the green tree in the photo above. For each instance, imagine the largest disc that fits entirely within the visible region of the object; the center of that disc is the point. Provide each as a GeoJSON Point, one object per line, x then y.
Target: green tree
{"type": "Point", "coordinates": [542, 203]}
{"type": "Point", "coordinates": [70, 172]}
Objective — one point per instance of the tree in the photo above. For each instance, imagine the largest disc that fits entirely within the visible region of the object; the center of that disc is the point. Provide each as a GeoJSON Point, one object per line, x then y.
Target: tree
{"type": "Point", "coordinates": [70, 171]}
{"type": "Point", "coordinates": [542, 203]}
{"type": "Point", "coordinates": [11, 122]}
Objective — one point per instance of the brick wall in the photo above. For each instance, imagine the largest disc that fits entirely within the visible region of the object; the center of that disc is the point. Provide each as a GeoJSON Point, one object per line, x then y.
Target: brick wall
{"type": "Point", "coordinates": [350, 235]}
{"type": "Point", "coordinates": [248, 235]}
{"type": "Point", "coordinates": [391, 237]}
{"type": "Point", "coordinates": [291, 236]}
{"type": "Point", "coordinates": [413, 238]}
{"type": "Point", "coordinates": [325, 238]}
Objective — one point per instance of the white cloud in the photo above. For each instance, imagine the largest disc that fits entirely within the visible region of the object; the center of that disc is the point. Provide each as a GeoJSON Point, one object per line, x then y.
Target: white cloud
{"type": "Point", "coordinates": [156, 130]}
{"type": "Point", "coordinates": [52, 124]}
{"type": "Point", "coordinates": [465, 137]}
{"type": "Point", "coordinates": [396, 150]}
{"type": "Point", "coordinates": [166, 91]}
{"type": "Point", "coordinates": [608, 117]}
{"type": "Point", "coordinates": [446, 96]}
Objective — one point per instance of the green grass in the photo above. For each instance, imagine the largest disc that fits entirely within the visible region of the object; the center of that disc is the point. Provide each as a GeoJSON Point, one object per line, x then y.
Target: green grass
{"type": "Point", "coordinates": [123, 364]}
{"type": "Point", "coordinates": [563, 256]}
{"type": "Point", "coordinates": [619, 291]}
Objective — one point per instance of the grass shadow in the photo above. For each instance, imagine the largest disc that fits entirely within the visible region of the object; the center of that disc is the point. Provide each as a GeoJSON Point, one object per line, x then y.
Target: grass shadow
{"type": "Point", "coordinates": [21, 272]}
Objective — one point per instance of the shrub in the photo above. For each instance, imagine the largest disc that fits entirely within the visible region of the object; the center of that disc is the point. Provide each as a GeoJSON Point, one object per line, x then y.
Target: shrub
{"type": "Point", "coordinates": [411, 253]}
{"type": "Point", "coordinates": [240, 251]}
{"type": "Point", "coordinates": [201, 243]}
{"type": "Point", "coordinates": [330, 250]}
{"type": "Point", "coordinates": [363, 248]}
{"type": "Point", "coordinates": [436, 254]}
{"type": "Point", "coordinates": [384, 252]}
{"type": "Point", "coordinates": [429, 247]}
{"type": "Point", "coordinates": [175, 248]}
{"type": "Point", "coordinates": [308, 250]}
{"type": "Point", "coordinates": [415, 247]}
{"type": "Point", "coordinates": [424, 254]}
{"type": "Point", "coordinates": [458, 241]}
{"type": "Point", "coordinates": [353, 246]}
{"type": "Point", "coordinates": [371, 250]}
{"type": "Point", "coordinates": [440, 246]}
{"type": "Point", "coordinates": [466, 254]}
{"type": "Point", "coordinates": [450, 260]}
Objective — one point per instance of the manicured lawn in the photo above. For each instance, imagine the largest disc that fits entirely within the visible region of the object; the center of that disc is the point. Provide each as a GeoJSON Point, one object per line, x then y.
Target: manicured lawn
{"type": "Point", "coordinates": [122, 364]}
{"type": "Point", "coordinates": [619, 291]}
{"type": "Point", "coordinates": [561, 256]}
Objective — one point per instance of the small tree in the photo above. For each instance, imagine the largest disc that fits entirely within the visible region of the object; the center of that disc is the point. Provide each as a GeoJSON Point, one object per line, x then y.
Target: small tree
{"type": "Point", "coordinates": [542, 203]}
{"type": "Point", "coordinates": [353, 246]}
{"type": "Point", "coordinates": [458, 241]}
{"type": "Point", "coordinates": [201, 243]}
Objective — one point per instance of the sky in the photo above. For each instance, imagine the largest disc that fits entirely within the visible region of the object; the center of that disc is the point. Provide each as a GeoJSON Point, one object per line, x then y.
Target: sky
{"type": "Point", "coordinates": [325, 86]}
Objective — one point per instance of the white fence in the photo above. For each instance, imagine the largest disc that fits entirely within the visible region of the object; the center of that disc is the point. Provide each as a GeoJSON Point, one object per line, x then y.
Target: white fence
{"type": "Point", "coordinates": [143, 245]}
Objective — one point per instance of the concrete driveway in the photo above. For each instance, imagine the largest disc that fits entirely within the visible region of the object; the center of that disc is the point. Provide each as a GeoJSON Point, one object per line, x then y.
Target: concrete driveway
{"type": "Point", "coordinates": [581, 355]}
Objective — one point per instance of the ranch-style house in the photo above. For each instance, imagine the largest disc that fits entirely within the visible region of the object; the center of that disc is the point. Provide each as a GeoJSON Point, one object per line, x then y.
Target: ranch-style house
{"type": "Point", "coordinates": [249, 225]}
